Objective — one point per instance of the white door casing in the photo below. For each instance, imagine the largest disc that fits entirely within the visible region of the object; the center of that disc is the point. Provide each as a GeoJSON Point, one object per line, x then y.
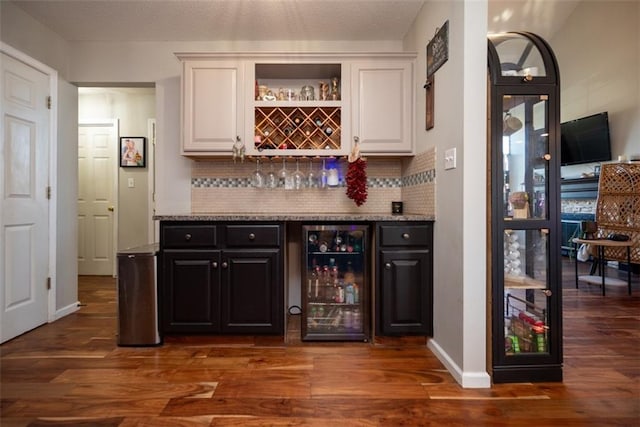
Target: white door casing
{"type": "Point", "coordinates": [97, 169]}
{"type": "Point", "coordinates": [26, 239]}
{"type": "Point", "coordinates": [154, 225]}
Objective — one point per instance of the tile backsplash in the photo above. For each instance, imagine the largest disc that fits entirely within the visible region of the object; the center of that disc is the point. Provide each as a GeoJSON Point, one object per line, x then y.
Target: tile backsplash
{"type": "Point", "coordinates": [222, 186]}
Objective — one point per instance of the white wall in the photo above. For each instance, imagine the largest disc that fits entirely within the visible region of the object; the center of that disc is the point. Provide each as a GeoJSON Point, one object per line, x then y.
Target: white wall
{"type": "Point", "coordinates": [598, 53]}
{"type": "Point", "coordinates": [67, 198]}
{"type": "Point", "coordinates": [460, 314]}
{"type": "Point", "coordinates": [173, 180]}
{"type": "Point", "coordinates": [24, 33]}
{"type": "Point", "coordinates": [153, 61]}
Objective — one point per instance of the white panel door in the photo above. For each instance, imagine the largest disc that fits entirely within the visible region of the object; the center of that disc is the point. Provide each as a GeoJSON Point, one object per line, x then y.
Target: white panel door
{"type": "Point", "coordinates": [24, 177]}
{"type": "Point", "coordinates": [97, 164]}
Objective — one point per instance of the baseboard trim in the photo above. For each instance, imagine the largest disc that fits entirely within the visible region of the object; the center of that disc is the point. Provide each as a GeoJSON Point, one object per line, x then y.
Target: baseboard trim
{"type": "Point", "coordinates": [465, 379]}
{"type": "Point", "coordinates": [65, 311]}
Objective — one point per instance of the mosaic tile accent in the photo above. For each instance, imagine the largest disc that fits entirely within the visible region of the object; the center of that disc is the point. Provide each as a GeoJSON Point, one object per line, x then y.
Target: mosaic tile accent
{"type": "Point", "coordinates": [419, 178]}
{"type": "Point", "coordinates": [244, 182]}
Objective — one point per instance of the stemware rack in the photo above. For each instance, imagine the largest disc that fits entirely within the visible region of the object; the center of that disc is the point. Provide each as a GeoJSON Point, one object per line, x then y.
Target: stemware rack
{"type": "Point", "coordinates": [297, 128]}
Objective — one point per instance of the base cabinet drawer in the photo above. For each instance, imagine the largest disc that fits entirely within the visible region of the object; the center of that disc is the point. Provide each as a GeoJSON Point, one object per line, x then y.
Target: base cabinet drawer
{"type": "Point", "coordinates": [252, 236]}
{"type": "Point", "coordinates": [189, 236]}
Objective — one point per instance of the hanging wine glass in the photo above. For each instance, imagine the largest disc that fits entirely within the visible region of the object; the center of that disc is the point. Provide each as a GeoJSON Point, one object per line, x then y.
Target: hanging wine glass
{"type": "Point", "coordinates": [257, 178]}
{"type": "Point", "coordinates": [312, 178]}
{"type": "Point", "coordinates": [324, 175]}
{"type": "Point", "coordinates": [284, 177]}
{"type": "Point", "coordinates": [298, 177]}
{"type": "Point", "coordinates": [271, 180]}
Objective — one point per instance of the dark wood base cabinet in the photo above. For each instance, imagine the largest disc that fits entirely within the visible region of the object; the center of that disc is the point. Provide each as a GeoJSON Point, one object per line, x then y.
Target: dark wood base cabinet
{"type": "Point", "coordinates": [218, 278]}
{"type": "Point", "coordinates": [404, 279]}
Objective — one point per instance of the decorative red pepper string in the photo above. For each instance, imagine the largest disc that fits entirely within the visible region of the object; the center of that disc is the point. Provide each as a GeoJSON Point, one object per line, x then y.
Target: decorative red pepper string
{"type": "Point", "coordinates": [357, 177]}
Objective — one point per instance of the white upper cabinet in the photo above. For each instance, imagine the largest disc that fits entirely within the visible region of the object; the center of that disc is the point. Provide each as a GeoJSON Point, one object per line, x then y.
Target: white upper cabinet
{"type": "Point", "coordinates": [212, 105]}
{"type": "Point", "coordinates": [383, 106]}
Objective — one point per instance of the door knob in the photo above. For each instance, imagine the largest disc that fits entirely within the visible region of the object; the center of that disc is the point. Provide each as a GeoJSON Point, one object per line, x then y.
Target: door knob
{"type": "Point", "coordinates": [110, 209]}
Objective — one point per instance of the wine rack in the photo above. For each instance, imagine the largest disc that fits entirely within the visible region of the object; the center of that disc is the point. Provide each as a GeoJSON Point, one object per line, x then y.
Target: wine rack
{"type": "Point", "coordinates": [297, 128]}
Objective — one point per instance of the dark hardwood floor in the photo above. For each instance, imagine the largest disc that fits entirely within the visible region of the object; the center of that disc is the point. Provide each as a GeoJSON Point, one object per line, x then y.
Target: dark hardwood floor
{"type": "Point", "coordinates": [71, 372]}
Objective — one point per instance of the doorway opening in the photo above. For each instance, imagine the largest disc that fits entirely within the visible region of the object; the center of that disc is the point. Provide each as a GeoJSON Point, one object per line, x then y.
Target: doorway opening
{"type": "Point", "coordinates": [115, 203]}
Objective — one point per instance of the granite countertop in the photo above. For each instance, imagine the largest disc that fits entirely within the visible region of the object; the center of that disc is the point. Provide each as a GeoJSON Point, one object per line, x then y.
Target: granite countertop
{"type": "Point", "coordinates": [291, 217]}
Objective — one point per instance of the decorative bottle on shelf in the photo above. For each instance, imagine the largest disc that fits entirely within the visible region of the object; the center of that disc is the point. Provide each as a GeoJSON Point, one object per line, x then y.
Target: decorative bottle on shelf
{"type": "Point", "coordinates": [335, 89]}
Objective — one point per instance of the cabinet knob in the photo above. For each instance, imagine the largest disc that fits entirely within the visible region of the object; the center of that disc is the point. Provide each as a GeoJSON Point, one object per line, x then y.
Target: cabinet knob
{"type": "Point", "coordinates": [214, 264]}
{"type": "Point", "coordinates": [224, 264]}
{"type": "Point", "coordinates": [252, 236]}
{"type": "Point", "coordinates": [388, 266]}
{"type": "Point", "coordinates": [547, 156]}
{"type": "Point", "coordinates": [187, 237]}
{"type": "Point", "coordinates": [547, 292]}
{"type": "Point", "coordinates": [405, 236]}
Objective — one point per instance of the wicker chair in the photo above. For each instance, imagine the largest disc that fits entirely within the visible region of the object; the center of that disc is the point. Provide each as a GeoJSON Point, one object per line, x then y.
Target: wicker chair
{"type": "Point", "coordinates": [618, 207]}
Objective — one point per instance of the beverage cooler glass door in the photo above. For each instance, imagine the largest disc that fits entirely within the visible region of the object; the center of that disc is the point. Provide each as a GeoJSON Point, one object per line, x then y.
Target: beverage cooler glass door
{"type": "Point", "coordinates": [335, 283]}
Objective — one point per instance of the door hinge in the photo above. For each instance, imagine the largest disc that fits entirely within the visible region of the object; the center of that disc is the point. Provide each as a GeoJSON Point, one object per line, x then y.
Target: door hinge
{"type": "Point", "coordinates": [48, 283]}
{"type": "Point", "coordinates": [48, 192]}
{"type": "Point", "coordinates": [49, 102]}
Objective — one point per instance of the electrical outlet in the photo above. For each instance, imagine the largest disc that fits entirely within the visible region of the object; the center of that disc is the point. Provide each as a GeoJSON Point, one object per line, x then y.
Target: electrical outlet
{"type": "Point", "coordinates": [131, 183]}
{"type": "Point", "coordinates": [450, 159]}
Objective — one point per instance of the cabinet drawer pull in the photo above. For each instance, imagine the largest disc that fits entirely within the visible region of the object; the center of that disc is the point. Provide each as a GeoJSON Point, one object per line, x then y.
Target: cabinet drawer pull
{"type": "Point", "coordinates": [214, 264]}
{"type": "Point", "coordinates": [405, 236]}
{"type": "Point", "coordinates": [187, 237]}
{"type": "Point", "coordinates": [252, 236]}
{"type": "Point", "coordinates": [224, 264]}
{"type": "Point", "coordinates": [388, 266]}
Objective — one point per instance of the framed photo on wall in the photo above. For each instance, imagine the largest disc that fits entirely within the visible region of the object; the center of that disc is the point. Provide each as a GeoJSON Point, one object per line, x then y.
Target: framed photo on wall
{"type": "Point", "coordinates": [133, 152]}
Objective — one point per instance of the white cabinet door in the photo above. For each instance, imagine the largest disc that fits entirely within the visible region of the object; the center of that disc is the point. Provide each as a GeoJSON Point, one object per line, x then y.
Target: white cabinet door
{"type": "Point", "coordinates": [382, 106]}
{"type": "Point", "coordinates": [212, 106]}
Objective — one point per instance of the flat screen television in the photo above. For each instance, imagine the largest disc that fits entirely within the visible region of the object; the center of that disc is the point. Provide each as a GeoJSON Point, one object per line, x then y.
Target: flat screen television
{"type": "Point", "coordinates": [585, 140]}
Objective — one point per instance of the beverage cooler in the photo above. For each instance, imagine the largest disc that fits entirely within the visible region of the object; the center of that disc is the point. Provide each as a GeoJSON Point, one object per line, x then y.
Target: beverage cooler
{"type": "Point", "coordinates": [335, 283]}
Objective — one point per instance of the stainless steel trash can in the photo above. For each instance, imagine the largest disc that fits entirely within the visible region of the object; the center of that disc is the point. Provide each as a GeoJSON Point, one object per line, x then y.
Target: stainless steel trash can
{"type": "Point", "coordinates": [137, 296]}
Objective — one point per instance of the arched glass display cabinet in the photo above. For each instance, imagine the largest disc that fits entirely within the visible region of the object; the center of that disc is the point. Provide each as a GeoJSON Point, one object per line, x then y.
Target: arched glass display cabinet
{"type": "Point", "coordinates": [524, 96]}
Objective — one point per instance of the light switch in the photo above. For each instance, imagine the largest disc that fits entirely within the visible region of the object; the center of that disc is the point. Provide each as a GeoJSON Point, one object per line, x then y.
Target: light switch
{"type": "Point", "coordinates": [131, 183]}
{"type": "Point", "coordinates": [450, 159]}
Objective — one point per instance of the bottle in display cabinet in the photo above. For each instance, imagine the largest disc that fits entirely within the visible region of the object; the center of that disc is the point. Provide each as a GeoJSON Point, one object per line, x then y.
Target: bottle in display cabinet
{"type": "Point", "coordinates": [335, 283]}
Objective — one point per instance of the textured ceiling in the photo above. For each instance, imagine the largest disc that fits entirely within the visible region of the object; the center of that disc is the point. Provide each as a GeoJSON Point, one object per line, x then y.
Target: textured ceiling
{"type": "Point", "coordinates": [188, 20]}
{"type": "Point", "coordinates": [207, 20]}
